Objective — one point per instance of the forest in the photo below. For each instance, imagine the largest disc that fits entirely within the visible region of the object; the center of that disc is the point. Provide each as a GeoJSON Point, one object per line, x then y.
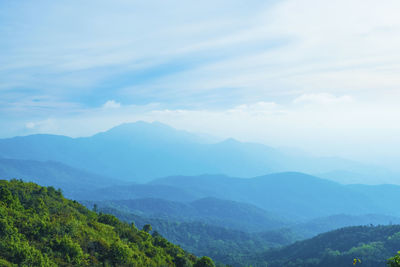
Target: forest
{"type": "Point", "coordinates": [39, 227]}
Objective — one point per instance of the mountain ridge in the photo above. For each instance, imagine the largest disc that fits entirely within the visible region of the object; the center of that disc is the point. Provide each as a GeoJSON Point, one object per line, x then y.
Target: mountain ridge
{"type": "Point", "coordinates": [141, 151]}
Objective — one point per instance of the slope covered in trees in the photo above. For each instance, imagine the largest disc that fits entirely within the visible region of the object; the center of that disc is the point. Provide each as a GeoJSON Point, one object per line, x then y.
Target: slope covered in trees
{"type": "Point", "coordinates": [235, 247]}
{"type": "Point", "coordinates": [370, 245]}
{"type": "Point", "coordinates": [224, 245]}
{"type": "Point", "coordinates": [39, 227]}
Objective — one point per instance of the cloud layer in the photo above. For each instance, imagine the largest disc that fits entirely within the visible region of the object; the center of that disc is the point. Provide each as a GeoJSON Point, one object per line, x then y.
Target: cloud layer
{"type": "Point", "coordinates": [321, 75]}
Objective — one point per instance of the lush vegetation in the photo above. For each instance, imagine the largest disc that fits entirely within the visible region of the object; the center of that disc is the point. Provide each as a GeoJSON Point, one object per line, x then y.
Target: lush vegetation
{"type": "Point", "coordinates": [235, 247]}
{"type": "Point", "coordinates": [39, 227]}
{"type": "Point", "coordinates": [369, 245]}
{"type": "Point", "coordinates": [224, 245]}
{"type": "Point", "coordinates": [395, 260]}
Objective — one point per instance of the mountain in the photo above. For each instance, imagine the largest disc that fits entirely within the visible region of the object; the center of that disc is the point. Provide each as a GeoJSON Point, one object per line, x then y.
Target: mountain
{"type": "Point", "coordinates": [140, 151]}
{"type": "Point", "coordinates": [39, 227]}
{"type": "Point", "coordinates": [368, 175]}
{"type": "Point", "coordinates": [295, 195]}
{"type": "Point", "coordinates": [213, 211]}
{"type": "Point", "coordinates": [369, 245]}
{"type": "Point", "coordinates": [74, 182]}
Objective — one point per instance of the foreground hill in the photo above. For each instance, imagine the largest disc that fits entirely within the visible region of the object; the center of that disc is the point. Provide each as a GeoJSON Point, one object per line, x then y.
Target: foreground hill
{"type": "Point", "coordinates": [224, 245]}
{"type": "Point", "coordinates": [140, 151]}
{"type": "Point", "coordinates": [372, 245]}
{"type": "Point", "coordinates": [39, 227]}
{"type": "Point", "coordinates": [239, 248]}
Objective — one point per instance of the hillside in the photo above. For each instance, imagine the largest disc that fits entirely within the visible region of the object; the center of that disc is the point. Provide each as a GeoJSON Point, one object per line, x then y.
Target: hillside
{"type": "Point", "coordinates": [224, 245]}
{"type": "Point", "coordinates": [213, 211]}
{"type": "Point", "coordinates": [230, 246]}
{"type": "Point", "coordinates": [324, 224]}
{"type": "Point", "coordinates": [74, 182]}
{"type": "Point", "coordinates": [39, 227]}
{"type": "Point", "coordinates": [138, 191]}
{"type": "Point", "coordinates": [292, 196]}
{"type": "Point", "coordinates": [373, 245]}
{"type": "Point", "coordinates": [239, 248]}
{"type": "Point", "coordinates": [139, 152]}
{"type": "Point", "coordinates": [297, 196]}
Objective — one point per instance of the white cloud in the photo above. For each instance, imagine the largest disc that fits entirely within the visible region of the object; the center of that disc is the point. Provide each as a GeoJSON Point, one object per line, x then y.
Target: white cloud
{"type": "Point", "coordinates": [322, 99]}
{"type": "Point", "coordinates": [112, 104]}
{"type": "Point", "coordinates": [30, 125]}
{"type": "Point", "coordinates": [285, 62]}
{"type": "Point", "coordinates": [256, 109]}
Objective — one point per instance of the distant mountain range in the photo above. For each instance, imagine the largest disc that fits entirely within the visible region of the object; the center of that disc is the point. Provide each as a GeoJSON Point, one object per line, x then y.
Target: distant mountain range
{"type": "Point", "coordinates": [139, 152]}
{"type": "Point", "coordinates": [74, 182]}
{"type": "Point", "coordinates": [295, 195]}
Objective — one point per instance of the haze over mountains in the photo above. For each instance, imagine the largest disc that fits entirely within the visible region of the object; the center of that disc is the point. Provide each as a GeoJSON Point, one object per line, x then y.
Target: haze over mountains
{"type": "Point", "coordinates": [73, 181]}
{"type": "Point", "coordinates": [226, 199]}
{"type": "Point", "coordinates": [213, 211]}
{"type": "Point", "coordinates": [139, 152]}
{"type": "Point", "coordinates": [113, 165]}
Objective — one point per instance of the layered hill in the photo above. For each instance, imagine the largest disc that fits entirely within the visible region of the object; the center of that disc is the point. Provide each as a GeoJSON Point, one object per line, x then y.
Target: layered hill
{"type": "Point", "coordinates": [74, 182]}
{"type": "Point", "coordinates": [295, 195]}
{"type": "Point", "coordinates": [39, 227]}
{"type": "Point", "coordinates": [213, 211]}
{"type": "Point", "coordinates": [140, 151]}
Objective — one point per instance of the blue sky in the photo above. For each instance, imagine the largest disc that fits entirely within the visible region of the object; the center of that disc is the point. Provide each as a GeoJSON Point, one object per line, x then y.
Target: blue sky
{"type": "Point", "coordinates": [323, 76]}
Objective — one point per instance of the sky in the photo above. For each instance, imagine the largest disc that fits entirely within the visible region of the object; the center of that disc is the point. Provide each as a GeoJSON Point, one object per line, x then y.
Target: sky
{"type": "Point", "coordinates": [319, 75]}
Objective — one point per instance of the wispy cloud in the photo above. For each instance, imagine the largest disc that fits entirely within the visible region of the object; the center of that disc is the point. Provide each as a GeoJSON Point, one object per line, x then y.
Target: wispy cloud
{"type": "Point", "coordinates": [112, 104]}
{"type": "Point", "coordinates": [305, 73]}
{"type": "Point", "coordinates": [322, 99]}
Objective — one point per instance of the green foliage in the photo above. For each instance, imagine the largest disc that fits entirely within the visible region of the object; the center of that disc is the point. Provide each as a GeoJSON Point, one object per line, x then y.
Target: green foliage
{"type": "Point", "coordinates": [39, 227]}
{"type": "Point", "coordinates": [395, 260]}
{"type": "Point", "coordinates": [359, 245]}
{"type": "Point", "coordinates": [147, 228]}
{"type": "Point", "coordinates": [204, 262]}
{"type": "Point", "coordinates": [221, 244]}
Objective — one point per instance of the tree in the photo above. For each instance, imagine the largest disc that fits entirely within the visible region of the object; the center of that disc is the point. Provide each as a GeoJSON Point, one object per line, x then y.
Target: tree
{"type": "Point", "coordinates": [147, 228]}
{"type": "Point", "coordinates": [395, 260]}
{"type": "Point", "coordinates": [204, 262]}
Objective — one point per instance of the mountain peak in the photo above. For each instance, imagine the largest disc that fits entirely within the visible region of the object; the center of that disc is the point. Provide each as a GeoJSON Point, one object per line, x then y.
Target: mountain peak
{"type": "Point", "coordinates": [148, 132]}
{"type": "Point", "coordinates": [129, 126]}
